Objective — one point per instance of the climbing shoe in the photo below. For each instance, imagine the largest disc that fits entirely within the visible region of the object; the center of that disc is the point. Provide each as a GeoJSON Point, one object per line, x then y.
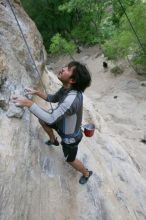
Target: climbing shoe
{"type": "Point", "coordinates": [49, 143]}
{"type": "Point", "coordinates": [84, 179]}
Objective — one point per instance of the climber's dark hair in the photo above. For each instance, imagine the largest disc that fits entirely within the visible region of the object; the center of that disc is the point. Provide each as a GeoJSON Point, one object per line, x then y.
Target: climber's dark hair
{"type": "Point", "coordinates": [81, 76]}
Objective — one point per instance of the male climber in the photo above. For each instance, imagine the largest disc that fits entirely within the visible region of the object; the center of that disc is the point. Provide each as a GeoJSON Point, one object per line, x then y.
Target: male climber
{"type": "Point", "coordinates": [67, 117]}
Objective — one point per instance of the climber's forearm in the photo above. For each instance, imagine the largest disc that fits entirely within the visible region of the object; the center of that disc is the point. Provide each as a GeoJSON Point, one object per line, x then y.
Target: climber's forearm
{"type": "Point", "coordinates": [41, 95]}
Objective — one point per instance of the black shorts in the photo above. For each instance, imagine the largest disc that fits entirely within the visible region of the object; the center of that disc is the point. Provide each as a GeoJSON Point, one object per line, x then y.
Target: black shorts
{"type": "Point", "coordinates": [70, 151]}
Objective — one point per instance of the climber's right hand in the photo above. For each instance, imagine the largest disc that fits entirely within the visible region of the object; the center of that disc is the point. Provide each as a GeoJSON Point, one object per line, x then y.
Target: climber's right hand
{"type": "Point", "coordinates": [30, 91]}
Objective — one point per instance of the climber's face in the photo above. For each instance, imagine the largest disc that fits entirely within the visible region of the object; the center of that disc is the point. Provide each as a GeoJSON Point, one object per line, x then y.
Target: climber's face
{"type": "Point", "coordinates": [65, 76]}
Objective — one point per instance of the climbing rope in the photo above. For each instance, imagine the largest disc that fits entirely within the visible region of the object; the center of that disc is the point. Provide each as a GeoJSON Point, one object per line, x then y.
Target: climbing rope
{"type": "Point", "coordinates": [29, 51]}
{"type": "Point", "coordinates": [137, 37]}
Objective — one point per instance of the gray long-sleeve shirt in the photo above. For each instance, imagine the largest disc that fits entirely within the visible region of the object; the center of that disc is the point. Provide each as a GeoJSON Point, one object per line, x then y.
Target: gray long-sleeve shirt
{"type": "Point", "coordinates": [67, 116]}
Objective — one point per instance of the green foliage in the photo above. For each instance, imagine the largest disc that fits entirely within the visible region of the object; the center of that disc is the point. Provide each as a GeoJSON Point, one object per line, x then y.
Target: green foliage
{"type": "Point", "coordinates": [59, 45]}
{"type": "Point", "coordinates": [77, 20]}
{"type": "Point", "coordinates": [118, 10]}
{"type": "Point", "coordinates": [87, 22]}
{"type": "Point", "coordinates": [48, 18]}
{"type": "Point", "coordinates": [124, 41]}
{"type": "Point", "coordinates": [118, 45]}
{"type": "Point", "coordinates": [87, 18]}
{"type": "Point", "coordinates": [107, 28]}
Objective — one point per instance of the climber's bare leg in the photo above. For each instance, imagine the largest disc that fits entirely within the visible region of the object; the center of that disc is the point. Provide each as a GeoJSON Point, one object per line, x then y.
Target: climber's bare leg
{"type": "Point", "coordinates": [48, 130]}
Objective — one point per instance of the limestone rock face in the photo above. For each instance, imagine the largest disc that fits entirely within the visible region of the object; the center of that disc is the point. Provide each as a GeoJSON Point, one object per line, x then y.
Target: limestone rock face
{"type": "Point", "coordinates": [16, 67]}
{"type": "Point", "coordinates": [35, 181]}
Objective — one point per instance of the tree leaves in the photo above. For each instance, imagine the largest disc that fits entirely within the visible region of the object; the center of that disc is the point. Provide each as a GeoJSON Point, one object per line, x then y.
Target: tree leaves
{"type": "Point", "coordinates": [124, 41]}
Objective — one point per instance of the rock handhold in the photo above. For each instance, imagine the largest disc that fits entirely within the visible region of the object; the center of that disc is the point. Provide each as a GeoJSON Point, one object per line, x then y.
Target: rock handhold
{"type": "Point", "coordinates": [15, 112]}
